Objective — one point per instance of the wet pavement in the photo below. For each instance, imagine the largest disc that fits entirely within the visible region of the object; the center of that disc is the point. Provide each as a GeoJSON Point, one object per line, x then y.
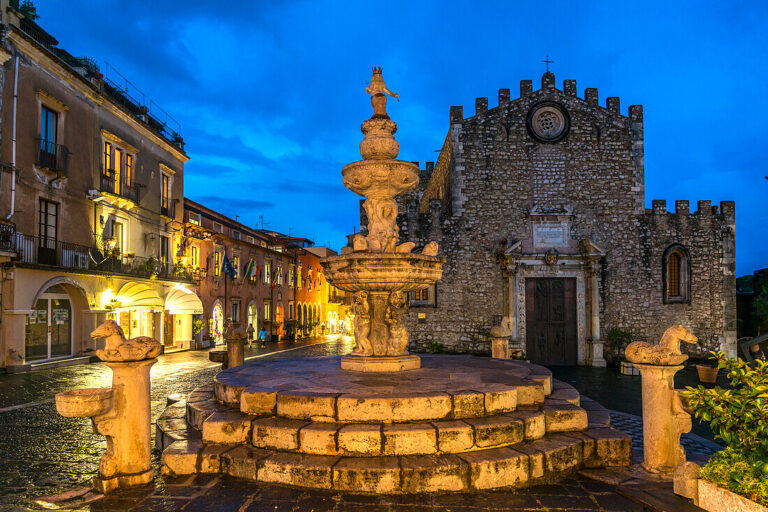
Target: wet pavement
{"type": "Point", "coordinates": [44, 453]}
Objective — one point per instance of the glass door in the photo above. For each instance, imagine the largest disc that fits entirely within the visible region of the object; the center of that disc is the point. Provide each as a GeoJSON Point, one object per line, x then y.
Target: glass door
{"type": "Point", "coordinates": [49, 328]}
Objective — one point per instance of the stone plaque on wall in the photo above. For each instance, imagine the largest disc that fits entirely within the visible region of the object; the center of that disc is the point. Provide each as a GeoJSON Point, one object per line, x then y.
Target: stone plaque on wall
{"type": "Point", "coordinates": [550, 235]}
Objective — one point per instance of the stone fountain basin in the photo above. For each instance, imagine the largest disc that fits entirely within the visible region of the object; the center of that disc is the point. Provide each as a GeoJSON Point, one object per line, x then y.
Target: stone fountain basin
{"type": "Point", "coordinates": [380, 178]}
{"type": "Point", "coordinates": [382, 272]}
{"type": "Point", "coordinates": [84, 403]}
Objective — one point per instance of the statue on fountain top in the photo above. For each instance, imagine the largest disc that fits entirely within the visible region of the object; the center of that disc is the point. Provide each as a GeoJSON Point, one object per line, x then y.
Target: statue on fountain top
{"type": "Point", "coordinates": [376, 89]}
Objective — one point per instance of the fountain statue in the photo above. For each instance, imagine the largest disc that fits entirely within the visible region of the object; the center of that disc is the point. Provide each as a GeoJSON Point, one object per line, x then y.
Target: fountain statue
{"type": "Point", "coordinates": [377, 268]}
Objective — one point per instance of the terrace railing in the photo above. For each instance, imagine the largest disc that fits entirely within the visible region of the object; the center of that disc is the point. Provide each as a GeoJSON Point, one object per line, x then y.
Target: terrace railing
{"type": "Point", "coordinates": [52, 156]}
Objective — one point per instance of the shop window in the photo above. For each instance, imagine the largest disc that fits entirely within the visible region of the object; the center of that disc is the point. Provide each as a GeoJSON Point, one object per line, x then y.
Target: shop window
{"type": "Point", "coordinates": [676, 275]}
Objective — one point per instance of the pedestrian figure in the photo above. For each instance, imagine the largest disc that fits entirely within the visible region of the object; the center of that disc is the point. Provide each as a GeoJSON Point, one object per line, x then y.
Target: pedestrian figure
{"type": "Point", "coordinates": [250, 332]}
{"type": "Point", "coordinates": [263, 337]}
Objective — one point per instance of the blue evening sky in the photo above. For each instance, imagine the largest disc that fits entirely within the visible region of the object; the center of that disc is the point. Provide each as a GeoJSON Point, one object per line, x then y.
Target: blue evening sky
{"type": "Point", "coordinates": [270, 94]}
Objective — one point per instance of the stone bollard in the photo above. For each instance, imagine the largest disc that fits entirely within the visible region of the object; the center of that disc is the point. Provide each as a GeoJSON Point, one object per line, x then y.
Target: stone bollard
{"type": "Point", "coordinates": [122, 412]}
{"type": "Point", "coordinates": [235, 338]}
{"type": "Point", "coordinates": [500, 335]}
{"type": "Point", "coordinates": [664, 418]}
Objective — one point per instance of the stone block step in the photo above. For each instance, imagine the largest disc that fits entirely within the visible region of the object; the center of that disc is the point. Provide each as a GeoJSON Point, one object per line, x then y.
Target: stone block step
{"type": "Point", "coordinates": [528, 462]}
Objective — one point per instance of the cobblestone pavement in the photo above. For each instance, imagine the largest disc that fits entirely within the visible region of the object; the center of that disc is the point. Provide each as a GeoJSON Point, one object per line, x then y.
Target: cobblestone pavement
{"type": "Point", "coordinates": [44, 453]}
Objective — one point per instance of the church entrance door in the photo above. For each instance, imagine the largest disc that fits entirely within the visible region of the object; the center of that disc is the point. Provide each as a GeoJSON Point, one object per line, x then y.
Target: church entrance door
{"type": "Point", "coordinates": [550, 310]}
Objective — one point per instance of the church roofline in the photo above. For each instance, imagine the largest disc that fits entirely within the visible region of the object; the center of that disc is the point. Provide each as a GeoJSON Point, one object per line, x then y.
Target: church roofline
{"type": "Point", "coordinates": [612, 103]}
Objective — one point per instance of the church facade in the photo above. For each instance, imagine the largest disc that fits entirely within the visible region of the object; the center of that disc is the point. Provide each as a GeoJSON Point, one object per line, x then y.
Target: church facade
{"type": "Point", "coordinates": [538, 206]}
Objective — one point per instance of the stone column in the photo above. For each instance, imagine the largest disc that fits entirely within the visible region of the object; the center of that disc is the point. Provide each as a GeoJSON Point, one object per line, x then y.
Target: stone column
{"type": "Point", "coordinates": [663, 419]}
{"type": "Point", "coordinates": [235, 352]}
{"type": "Point", "coordinates": [595, 355]}
{"type": "Point", "coordinates": [127, 461]}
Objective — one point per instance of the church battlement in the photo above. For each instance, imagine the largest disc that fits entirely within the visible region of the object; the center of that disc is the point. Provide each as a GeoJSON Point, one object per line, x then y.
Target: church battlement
{"type": "Point", "coordinates": [726, 210]}
{"type": "Point", "coordinates": [612, 104]}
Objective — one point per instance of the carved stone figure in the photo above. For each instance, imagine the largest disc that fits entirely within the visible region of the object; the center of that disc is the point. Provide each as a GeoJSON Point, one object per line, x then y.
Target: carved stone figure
{"type": "Point", "coordinates": [405, 248]}
{"type": "Point", "coordinates": [376, 89]}
{"type": "Point", "coordinates": [382, 224]}
{"type": "Point", "coordinates": [119, 349]}
{"type": "Point", "coordinates": [666, 353]}
{"type": "Point", "coordinates": [362, 324]}
{"type": "Point", "coordinates": [398, 334]}
{"type": "Point", "coordinates": [430, 249]}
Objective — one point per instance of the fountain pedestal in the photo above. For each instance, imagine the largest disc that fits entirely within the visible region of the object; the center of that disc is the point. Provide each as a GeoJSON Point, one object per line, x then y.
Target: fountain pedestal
{"type": "Point", "coordinates": [380, 363]}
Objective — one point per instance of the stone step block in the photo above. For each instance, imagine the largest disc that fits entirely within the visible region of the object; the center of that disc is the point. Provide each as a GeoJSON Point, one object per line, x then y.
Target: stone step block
{"type": "Point", "coordinates": [258, 400]}
{"type": "Point", "coordinates": [468, 404]}
{"type": "Point", "coordinates": [454, 436]}
{"type": "Point", "coordinates": [563, 416]}
{"type": "Point", "coordinates": [197, 412]}
{"type": "Point", "coordinates": [227, 427]}
{"type": "Point", "coordinates": [496, 467]}
{"type": "Point", "coordinates": [306, 405]}
{"type": "Point", "coordinates": [298, 469]}
{"type": "Point", "coordinates": [360, 439]}
{"type": "Point", "coordinates": [561, 453]}
{"type": "Point", "coordinates": [277, 433]}
{"type": "Point", "coordinates": [612, 448]}
{"type": "Point", "coordinates": [500, 399]}
{"type": "Point", "coordinates": [389, 409]}
{"type": "Point", "coordinates": [409, 439]}
{"type": "Point", "coordinates": [320, 438]}
{"type": "Point", "coordinates": [229, 393]}
{"type": "Point", "coordinates": [244, 461]}
{"type": "Point", "coordinates": [566, 394]}
{"type": "Point", "coordinates": [380, 475]}
{"type": "Point", "coordinates": [530, 392]}
{"type": "Point", "coordinates": [497, 430]}
{"type": "Point", "coordinates": [598, 419]}
{"type": "Point", "coordinates": [433, 473]}
{"type": "Point", "coordinates": [534, 423]}
{"type": "Point", "coordinates": [201, 393]}
{"type": "Point", "coordinates": [544, 379]}
{"type": "Point", "coordinates": [192, 457]}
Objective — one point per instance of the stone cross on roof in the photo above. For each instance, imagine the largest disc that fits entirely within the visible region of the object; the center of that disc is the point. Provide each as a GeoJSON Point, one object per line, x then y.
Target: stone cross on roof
{"type": "Point", "coordinates": [548, 62]}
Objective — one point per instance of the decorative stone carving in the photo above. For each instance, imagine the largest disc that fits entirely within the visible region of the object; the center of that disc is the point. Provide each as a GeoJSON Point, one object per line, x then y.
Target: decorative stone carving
{"type": "Point", "coordinates": [500, 339]}
{"type": "Point", "coordinates": [664, 416]}
{"type": "Point", "coordinates": [548, 122]}
{"type": "Point", "coordinates": [117, 348]}
{"type": "Point", "coordinates": [666, 353]}
{"type": "Point", "coordinates": [377, 269]}
{"type": "Point", "coordinates": [120, 413]}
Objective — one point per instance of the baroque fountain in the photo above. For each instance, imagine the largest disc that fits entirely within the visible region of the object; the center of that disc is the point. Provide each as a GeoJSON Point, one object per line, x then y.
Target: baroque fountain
{"type": "Point", "coordinates": [381, 420]}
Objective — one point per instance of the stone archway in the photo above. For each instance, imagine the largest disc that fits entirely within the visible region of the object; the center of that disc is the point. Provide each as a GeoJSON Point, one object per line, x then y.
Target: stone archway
{"type": "Point", "coordinates": [57, 316]}
{"type": "Point", "coordinates": [216, 323]}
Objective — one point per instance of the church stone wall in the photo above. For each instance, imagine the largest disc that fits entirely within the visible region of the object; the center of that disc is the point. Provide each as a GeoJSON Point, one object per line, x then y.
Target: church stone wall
{"type": "Point", "coordinates": [477, 202]}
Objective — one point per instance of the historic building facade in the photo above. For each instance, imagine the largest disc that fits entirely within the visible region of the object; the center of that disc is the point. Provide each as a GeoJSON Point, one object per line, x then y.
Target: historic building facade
{"type": "Point", "coordinates": [91, 189]}
{"type": "Point", "coordinates": [538, 205]}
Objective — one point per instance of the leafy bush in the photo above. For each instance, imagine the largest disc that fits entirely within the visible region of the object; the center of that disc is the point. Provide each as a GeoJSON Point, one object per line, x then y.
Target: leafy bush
{"type": "Point", "coordinates": [738, 416]}
{"type": "Point", "coordinates": [618, 341]}
{"type": "Point", "coordinates": [435, 348]}
{"type": "Point", "coordinates": [197, 326]}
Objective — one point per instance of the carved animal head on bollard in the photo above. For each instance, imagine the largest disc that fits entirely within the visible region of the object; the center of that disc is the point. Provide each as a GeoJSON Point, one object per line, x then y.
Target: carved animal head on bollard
{"type": "Point", "coordinates": [107, 329]}
{"type": "Point", "coordinates": [117, 348]}
{"type": "Point", "coordinates": [672, 337]}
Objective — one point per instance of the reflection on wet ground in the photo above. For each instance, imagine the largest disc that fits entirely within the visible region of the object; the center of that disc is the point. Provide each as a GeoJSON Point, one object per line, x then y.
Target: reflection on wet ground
{"type": "Point", "coordinates": [44, 453]}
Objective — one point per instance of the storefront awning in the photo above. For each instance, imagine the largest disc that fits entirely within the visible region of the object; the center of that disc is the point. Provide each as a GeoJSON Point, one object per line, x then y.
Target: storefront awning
{"type": "Point", "coordinates": [180, 301]}
{"type": "Point", "coordinates": [138, 295]}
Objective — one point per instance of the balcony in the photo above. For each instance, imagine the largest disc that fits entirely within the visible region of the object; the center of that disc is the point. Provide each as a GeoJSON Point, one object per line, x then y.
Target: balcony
{"type": "Point", "coordinates": [118, 188]}
{"type": "Point", "coordinates": [7, 236]}
{"type": "Point", "coordinates": [52, 156]}
{"type": "Point", "coordinates": [38, 250]}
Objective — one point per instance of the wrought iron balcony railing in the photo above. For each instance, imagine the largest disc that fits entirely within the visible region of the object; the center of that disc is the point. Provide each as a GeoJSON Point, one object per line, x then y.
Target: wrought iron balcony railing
{"type": "Point", "coordinates": [47, 251]}
{"type": "Point", "coordinates": [7, 236]}
{"type": "Point", "coordinates": [110, 184]}
{"type": "Point", "coordinates": [52, 156]}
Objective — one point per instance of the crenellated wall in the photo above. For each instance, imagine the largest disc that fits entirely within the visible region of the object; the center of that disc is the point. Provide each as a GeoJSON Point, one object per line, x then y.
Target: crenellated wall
{"type": "Point", "coordinates": [493, 169]}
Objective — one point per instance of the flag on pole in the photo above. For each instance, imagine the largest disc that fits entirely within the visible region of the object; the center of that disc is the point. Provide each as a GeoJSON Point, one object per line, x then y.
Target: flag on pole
{"type": "Point", "coordinates": [227, 268]}
{"type": "Point", "coordinates": [248, 270]}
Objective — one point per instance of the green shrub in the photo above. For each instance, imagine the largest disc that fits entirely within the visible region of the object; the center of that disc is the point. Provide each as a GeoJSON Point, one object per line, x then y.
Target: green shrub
{"type": "Point", "coordinates": [618, 341]}
{"type": "Point", "coordinates": [738, 416]}
{"type": "Point", "coordinates": [435, 348]}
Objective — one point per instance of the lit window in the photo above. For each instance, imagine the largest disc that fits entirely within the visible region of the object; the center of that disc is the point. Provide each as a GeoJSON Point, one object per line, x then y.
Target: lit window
{"type": "Point", "coordinates": [290, 275]}
{"type": "Point", "coordinates": [423, 297]}
{"type": "Point", "coordinates": [298, 277]}
{"type": "Point", "coordinates": [194, 218]}
{"type": "Point", "coordinates": [165, 194]}
{"type": "Point", "coordinates": [195, 256]}
{"type": "Point", "coordinates": [216, 263]}
{"type": "Point", "coordinates": [676, 270]}
{"type": "Point", "coordinates": [236, 265]}
{"type": "Point", "coordinates": [267, 272]}
{"type": "Point", "coordinates": [267, 307]}
{"type": "Point", "coordinates": [128, 170]}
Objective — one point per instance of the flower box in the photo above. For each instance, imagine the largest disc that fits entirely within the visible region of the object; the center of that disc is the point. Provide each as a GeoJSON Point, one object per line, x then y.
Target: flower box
{"type": "Point", "coordinates": [717, 499]}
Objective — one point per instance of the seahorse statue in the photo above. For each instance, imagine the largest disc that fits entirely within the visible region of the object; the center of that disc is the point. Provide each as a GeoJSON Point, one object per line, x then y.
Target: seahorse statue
{"type": "Point", "coordinates": [120, 349]}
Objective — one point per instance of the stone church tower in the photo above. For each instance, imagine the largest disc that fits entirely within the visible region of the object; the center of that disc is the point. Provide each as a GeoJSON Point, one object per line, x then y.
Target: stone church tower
{"type": "Point", "coordinates": [538, 205]}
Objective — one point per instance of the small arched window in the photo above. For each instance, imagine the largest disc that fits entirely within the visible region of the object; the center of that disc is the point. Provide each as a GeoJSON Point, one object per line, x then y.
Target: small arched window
{"type": "Point", "coordinates": [676, 273]}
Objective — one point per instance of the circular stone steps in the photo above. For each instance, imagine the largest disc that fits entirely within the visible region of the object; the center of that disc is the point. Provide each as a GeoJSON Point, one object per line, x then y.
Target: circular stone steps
{"type": "Point", "coordinates": [475, 423]}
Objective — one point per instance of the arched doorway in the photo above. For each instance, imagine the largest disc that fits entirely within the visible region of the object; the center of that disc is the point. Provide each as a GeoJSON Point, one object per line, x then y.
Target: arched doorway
{"type": "Point", "coordinates": [306, 321]}
{"type": "Point", "coordinates": [279, 317]}
{"type": "Point", "coordinates": [48, 333]}
{"type": "Point", "coordinates": [253, 317]}
{"type": "Point", "coordinates": [299, 321]}
{"type": "Point", "coordinates": [216, 323]}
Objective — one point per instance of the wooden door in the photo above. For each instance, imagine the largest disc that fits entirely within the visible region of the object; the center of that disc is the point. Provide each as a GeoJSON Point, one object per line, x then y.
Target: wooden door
{"type": "Point", "coordinates": [550, 309]}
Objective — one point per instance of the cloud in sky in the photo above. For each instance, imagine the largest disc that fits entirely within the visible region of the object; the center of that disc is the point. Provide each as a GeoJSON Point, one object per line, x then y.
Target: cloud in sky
{"type": "Point", "coordinates": [270, 94]}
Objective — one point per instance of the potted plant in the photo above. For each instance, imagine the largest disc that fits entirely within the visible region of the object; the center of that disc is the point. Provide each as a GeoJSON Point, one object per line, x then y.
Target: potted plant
{"type": "Point", "coordinates": [707, 373]}
{"type": "Point", "coordinates": [617, 341]}
{"type": "Point", "coordinates": [738, 416]}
